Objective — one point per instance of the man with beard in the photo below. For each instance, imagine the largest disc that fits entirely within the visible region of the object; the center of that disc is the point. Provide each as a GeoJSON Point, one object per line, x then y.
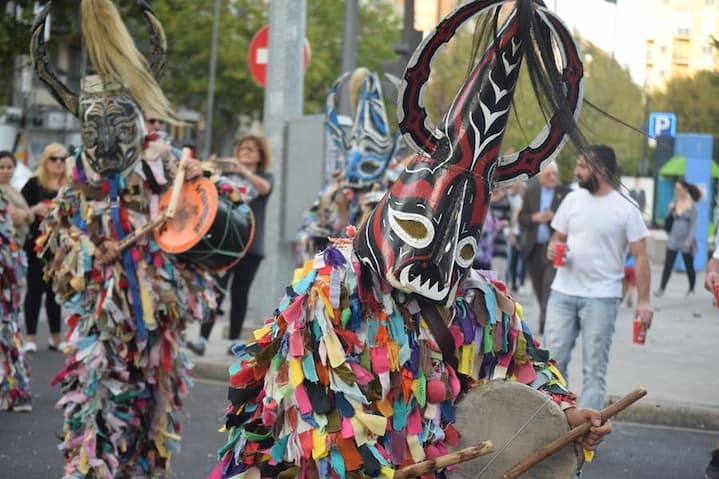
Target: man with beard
{"type": "Point", "coordinates": [597, 224]}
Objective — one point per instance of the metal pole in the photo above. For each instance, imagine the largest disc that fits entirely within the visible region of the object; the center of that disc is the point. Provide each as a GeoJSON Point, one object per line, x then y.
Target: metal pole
{"type": "Point", "coordinates": [283, 102]}
{"type": "Point", "coordinates": [349, 50]}
{"type": "Point", "coordinates": [207, 143]}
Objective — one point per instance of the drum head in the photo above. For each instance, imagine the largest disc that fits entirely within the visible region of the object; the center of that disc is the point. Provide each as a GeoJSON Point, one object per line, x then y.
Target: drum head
{"type": "Point", "coordinates": [496, 412]}
{"type": "Point", "coordinates": [194, 215]}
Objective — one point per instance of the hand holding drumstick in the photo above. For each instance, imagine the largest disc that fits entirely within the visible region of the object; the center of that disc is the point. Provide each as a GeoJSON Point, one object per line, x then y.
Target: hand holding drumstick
{"type": "Point", "coordinates": [109, 250]}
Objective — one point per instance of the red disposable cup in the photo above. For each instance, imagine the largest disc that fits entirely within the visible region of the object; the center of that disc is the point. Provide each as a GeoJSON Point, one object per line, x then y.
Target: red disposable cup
{"type": "Point", "coordinates": [559, 254]}
{"type": "Point", "coordinates": [640, 332]}
{"type": "Point", "coordinates": [716, 295]}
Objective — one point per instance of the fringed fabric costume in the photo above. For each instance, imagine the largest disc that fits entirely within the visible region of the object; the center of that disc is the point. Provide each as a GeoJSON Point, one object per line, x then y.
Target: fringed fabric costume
{"type": "Point", "coordinates": [346, 380]}
{"type": "Point", "coordinates": [15, 372]}
{"type": "Point", "coordinates": [126, 370]}
{"type": "Point", "coordinates": [359, 370]}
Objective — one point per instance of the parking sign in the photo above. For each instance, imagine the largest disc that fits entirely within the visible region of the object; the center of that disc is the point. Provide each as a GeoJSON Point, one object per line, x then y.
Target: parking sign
{"type": "Point", "coordinates": [662, 124]}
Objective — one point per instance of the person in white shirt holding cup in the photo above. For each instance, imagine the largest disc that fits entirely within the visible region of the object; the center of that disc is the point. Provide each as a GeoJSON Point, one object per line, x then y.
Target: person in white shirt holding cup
{"type": "Point", "coordinates": [593, 229]}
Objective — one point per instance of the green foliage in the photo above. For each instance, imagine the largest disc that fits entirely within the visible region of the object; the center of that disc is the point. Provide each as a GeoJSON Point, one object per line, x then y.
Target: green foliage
{"type": "Point", "coordinates": [607, 85]}
{"type": "Point", "coordinates": [14, 40]}
{"type": "Point", "coordinates": [379, 31]}
{"type": "Point", "coordinates": [188, 26]}
{"type": "Point", "coordinates": [693, 99]}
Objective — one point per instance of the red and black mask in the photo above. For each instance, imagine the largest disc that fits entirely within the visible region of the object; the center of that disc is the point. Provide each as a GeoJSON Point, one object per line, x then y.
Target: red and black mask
{"type": "Point", "coordinates": [422, 236]}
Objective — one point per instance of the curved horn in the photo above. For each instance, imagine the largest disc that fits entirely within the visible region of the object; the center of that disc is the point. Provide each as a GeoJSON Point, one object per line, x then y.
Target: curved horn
{"type": "Point", "coordinates": [411, 112]}
{"type": "Point", "coordinates": [158, 41]}
{"type": "Point", "coordinates": [44, 68]}
{"type": "Point", "coordinates": [549, 142]}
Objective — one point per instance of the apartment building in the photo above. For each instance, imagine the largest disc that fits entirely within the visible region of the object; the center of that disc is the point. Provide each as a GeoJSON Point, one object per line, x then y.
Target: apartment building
{"type": "Point", "coordinates": [678, 39]}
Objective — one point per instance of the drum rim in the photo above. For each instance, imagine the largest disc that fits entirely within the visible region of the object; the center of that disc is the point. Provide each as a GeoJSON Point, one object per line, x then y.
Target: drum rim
{"type": "Point", "coordinates": [178, 248]}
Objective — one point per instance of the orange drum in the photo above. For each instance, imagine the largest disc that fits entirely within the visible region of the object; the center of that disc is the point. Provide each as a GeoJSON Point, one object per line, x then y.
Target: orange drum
{"type": "Point", "coordinates": [207, 229]}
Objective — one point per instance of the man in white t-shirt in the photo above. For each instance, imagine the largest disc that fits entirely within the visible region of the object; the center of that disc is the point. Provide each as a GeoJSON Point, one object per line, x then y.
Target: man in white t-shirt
{"type": "Point", "coordinates": [598, 225]}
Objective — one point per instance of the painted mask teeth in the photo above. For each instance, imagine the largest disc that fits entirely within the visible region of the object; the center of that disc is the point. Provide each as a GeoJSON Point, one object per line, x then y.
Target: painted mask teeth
{"type": "Point", "coordinates": [422, 287]}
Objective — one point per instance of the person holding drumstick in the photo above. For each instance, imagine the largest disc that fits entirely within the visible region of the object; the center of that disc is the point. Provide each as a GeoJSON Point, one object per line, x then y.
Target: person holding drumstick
{"type": "Point", "coordinates": [126, 368]}
{"type": "Point", "coordinates": [361, 368]}
{"type": "Point", "coordinates": [248, 169]}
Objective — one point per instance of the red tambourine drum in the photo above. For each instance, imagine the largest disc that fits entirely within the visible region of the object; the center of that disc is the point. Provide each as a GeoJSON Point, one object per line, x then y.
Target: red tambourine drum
{"type": "Point", "coordinates": [207, 229]}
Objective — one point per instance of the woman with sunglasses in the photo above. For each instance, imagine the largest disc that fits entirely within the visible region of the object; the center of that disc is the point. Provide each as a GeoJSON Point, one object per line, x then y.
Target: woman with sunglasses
{"type": "Point", "coordinates": [39, 191]}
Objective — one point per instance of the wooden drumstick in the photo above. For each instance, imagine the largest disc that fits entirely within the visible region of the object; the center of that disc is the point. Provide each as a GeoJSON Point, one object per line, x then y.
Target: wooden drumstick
{"type": "Point", "coordinates": [177, 185]}
{"type": "Point", "coordinates": [425, 467]}
{"type": "Point", "coordinates": [138, 233]}
{"type": "Point", "coordinates": [171, 207]}
{"type": "Point", "coordinates": [571, 436]}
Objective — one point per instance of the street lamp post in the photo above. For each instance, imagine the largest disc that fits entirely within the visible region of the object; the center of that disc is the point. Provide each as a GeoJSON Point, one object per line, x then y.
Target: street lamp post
{"type": "Point", "coordinates": [207, 143]}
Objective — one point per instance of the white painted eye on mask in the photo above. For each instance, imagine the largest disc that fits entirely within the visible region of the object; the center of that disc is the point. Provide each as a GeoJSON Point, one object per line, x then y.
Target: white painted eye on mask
{"type": "Point", "coordinates": [466, 249]}
{"type": "Point", "coordinates": [415, 230]}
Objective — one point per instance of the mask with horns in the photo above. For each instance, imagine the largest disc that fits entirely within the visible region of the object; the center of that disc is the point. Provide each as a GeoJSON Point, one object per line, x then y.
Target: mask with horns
{"type": "Point", "coordinates": [422, 236]}
{"type": "Point", "coordinates": [117, 85]}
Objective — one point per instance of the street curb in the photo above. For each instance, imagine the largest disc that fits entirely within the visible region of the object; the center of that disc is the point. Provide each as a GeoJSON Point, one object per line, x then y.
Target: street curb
{"type": "Point", "coordinates": [670, 415]}
{"type": "Point", "coordinates": [641, 412]}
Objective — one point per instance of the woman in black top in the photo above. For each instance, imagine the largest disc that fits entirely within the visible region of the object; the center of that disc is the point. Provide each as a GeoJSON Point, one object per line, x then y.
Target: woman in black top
{"type": "Point", "coordinates": [39, 191]}
{"type": "Point", "coordinates": [249, 167]}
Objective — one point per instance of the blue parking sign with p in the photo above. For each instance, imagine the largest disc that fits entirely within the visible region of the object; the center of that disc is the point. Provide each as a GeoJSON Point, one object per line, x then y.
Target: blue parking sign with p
{"type": "Point", "coordinates": [662, 124]}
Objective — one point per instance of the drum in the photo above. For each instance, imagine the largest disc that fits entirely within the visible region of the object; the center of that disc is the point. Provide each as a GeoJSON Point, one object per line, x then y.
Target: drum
{"type": "Point", "coordinates": [207, 229]}
{"type": "Point", "coordinates": [518, 420]}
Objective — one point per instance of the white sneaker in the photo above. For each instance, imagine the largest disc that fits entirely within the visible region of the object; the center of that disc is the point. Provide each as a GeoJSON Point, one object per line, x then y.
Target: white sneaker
{"type": "Point", "coordinates": [30, 347]}
{"type": "Point", "coordinates": [59, 347]}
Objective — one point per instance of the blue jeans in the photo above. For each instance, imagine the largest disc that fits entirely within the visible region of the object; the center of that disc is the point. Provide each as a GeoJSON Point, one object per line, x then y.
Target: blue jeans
{"type": "Point", "coordinates": [594, 317]}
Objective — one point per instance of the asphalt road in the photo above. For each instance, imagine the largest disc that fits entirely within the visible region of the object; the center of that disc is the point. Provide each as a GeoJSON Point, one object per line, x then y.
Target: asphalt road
{"type": "Point", "coordinates": [28, 442]}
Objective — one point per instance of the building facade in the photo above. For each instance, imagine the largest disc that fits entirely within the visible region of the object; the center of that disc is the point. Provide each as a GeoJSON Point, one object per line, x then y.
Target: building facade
{"type": "Point", "coordinates": [678, 40]}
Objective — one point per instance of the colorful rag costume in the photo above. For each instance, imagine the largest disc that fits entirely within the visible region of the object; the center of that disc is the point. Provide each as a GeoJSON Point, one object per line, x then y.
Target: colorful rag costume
{"type": "Point", "coordinates": [367, 151]}
{"type": "Point", "coordinates": [358, 372]}
{"type": "Point", "coordinates": [15, 372]}
{"type": "Point", "coordinates": [126, 370]}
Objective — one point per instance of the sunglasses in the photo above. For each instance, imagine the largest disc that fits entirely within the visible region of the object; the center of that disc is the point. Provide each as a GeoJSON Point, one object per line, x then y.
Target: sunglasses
{"type": "Point", "coordinates": [57, 158]}
{"type": "Point", "coordinates": [155, 121]}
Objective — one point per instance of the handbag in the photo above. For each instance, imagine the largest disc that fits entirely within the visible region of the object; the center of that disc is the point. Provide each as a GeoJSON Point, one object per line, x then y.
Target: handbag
{"type": "Point", "coordinates": [668, 222]}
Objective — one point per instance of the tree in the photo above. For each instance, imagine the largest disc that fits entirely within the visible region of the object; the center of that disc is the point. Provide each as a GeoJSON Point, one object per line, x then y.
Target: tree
{"type": "Point", "coordinates": [188, 26]}
{"type": "Point", "coordinates": [693, 99]}
{"type": "Point", "coordinates": [16, 19]}
{"type": "Point", "coordinates": [379, 30]}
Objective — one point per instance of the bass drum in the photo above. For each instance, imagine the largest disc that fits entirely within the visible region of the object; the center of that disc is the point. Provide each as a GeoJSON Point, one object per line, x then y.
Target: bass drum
{"type": "Point", "coordinates": [519, 420]}
{"type": "Point", "coordinates": [207, 229]}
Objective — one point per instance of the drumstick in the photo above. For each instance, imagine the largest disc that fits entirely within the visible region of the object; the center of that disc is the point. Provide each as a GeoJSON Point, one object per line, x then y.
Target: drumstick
{"type": "Point", "coordinates": [424, 467]}
{"type": "Point", "coordinates": [177, 185]}
{"type": "Point", "coordinates": [571, 436]}
{"type": "Point", "coordinates": [172, 205]}
{"type": "Point", "coordinates": [138, 233]}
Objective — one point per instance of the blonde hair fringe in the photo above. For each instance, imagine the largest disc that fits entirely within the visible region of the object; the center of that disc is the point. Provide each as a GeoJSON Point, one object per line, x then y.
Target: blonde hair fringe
{"type": "Point", "coordinates": [356, 80]}
{"type": "Point", "coordinates": [113, 53]}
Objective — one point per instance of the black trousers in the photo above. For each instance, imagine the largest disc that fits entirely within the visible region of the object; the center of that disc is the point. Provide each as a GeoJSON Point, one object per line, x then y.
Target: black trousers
{"type": "Point", "coordinates": [241, 275]}
{"type": "Point", "coordinates": [669, 259]}
{"type": "Point", "coordinates": [36, 287]}
{"type": "Point", "coordinates": [541, 273]}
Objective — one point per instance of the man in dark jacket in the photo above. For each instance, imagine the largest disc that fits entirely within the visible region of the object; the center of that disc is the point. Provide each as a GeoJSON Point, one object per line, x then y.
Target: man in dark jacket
{"type": "Point", "coordinates": [541, 200]}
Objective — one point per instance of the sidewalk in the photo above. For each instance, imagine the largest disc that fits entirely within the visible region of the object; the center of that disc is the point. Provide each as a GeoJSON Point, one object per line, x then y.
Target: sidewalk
{"type": "Point", "coordinates": [679, 364]}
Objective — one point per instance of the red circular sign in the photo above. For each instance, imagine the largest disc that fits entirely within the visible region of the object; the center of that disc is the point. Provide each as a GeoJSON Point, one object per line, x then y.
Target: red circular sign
{"type": "Point", "coordinates": [258, 52]}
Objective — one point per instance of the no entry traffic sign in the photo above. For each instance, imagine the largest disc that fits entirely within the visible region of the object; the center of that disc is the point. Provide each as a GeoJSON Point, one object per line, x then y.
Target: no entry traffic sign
{"type": "Point", "coordinates": [258, 53]}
